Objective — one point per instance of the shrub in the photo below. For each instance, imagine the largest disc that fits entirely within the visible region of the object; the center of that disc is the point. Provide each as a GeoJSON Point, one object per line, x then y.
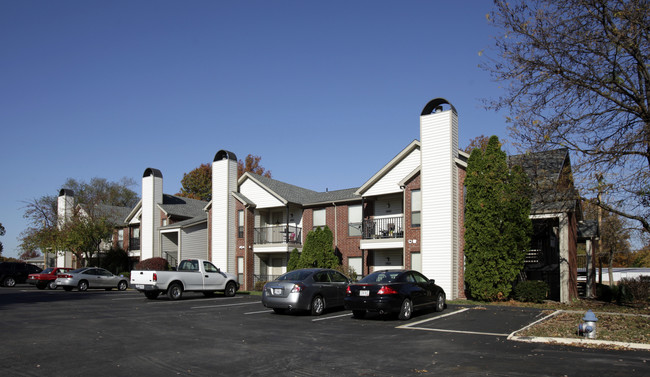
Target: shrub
{"type": "Point", "coordinates": [605, 292]}
{"type": "Point", "coordinates": [633, 290]}
{"type": "Point", "coordinates": [531, 291]}
{"type": "Point", "coordinates": [153, 264]}
{"type": "Point", "coordinates": [347, 271]}
{"type": "Point", "coordinates": [259, 286]}
{"type": "Point", "coordinates": [116, 260]}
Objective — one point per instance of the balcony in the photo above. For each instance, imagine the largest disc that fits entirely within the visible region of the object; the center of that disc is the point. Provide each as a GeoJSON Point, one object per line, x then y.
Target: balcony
{"type": "Point", "coordinates": [278, 234]}
{"type": "Point", "coordinates": [382, 228]}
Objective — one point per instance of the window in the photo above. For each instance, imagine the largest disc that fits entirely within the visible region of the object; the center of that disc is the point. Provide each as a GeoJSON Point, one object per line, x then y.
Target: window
{"type": "Point", "coordinates": [416, 207]}
{"type": "Point", "coordinates": [120, 238]}
{"type": "Point", "coordinates": [354, 220]}
{"type": "Point", "coordinates": [240, 227]}
{"type": "Point", "coordinates": [337, 277]}
{"type": "Point", "coordinates": [319, 218]}
{"type": "Point", "coordinates": [209, 267]}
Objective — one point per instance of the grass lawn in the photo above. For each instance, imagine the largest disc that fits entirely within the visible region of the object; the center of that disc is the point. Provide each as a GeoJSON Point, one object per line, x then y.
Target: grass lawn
{"type": "Point", "coordinates": [620, 323]}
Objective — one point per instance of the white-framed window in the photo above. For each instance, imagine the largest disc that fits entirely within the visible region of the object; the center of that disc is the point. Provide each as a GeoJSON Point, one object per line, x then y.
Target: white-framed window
{"type": "Point", "coordinates": [416, 207]}
{"type": "Point", "coordinates": [319, 218]}
{"type": "Point", "coordinates": [354, 220]}
{"type": "Point", "coordinates": [240, 224]}
{"type": "Point", "coordinates": [120, 239]}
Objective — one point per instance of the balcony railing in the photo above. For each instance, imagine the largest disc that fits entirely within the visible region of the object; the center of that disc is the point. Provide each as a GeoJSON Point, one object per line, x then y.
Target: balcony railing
{"type": "Point", "coordinates": [387, 227]}
{"type": "Point", "coordinates": [278, 234]}
{"type": "Point", "coordinates": [134, 243]}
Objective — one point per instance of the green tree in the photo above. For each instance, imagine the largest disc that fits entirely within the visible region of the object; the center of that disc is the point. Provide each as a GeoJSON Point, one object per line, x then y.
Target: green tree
{"type": "Point", "coordinates": [497, 223]}
{"type": "Point", "coordinates": [90, 220]}
{"type": "Point", "coordinates": [577, 76]}
{"type": "Point", "coordinates": [197, 184]}
{"type": "Point", "coordinates": [294, 258]}
{"type": "Point", "coordinates": [318, 251]}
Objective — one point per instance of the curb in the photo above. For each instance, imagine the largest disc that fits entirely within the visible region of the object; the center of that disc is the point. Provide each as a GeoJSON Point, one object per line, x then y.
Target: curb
{"type": "Point", "coordinates": [573, 342]}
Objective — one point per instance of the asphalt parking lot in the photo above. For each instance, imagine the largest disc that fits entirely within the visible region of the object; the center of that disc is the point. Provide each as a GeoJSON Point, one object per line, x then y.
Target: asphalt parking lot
{"type": "Point", "coordinates": [99, 333]}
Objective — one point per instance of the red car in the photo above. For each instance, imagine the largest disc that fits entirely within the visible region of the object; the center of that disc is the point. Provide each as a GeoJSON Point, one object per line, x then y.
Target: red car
{"type": "Point", "coordinates": [47, 278]}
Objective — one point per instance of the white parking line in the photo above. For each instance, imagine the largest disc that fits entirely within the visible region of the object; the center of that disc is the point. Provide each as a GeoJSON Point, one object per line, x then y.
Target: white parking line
{"type": "Point", "coordinates": [222, 305]}
{"type": "Point", "coordinates": [262, 311]}
{"type": "Point", "coordinates": [412, 326]}
{"type": "Point", "coordinates": [326, 318]}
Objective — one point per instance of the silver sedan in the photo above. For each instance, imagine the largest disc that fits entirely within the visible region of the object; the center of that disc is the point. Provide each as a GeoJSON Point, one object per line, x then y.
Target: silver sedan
{"type": "Point", "coordinates": [312, 289]}
{"type": "Point", "coordinates": [91, 277]}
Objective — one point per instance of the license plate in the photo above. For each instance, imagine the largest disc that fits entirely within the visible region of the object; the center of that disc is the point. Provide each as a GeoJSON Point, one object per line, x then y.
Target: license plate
{"type": "Point", "coordinates": [364, 293]}
{"type": "Point", "coordinates": [277, 291]}
{"type": "Point", "coordinates": [139, 286]}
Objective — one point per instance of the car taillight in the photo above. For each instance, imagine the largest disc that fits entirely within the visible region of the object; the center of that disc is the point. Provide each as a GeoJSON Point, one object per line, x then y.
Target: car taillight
{"type": "Point", "coordinates": [386, 290]}
{"type": "Point", "coordinates": [297, 288]}
{"type": "Point", "coordinates": [348, 290]}
{"type": "Point", "coordinates": [64, 276]}
{"type": "Point", "coordinates": [155, 276]}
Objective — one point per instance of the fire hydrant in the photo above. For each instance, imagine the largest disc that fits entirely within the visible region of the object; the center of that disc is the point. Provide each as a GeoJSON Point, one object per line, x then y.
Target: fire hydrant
{"type": "Point", "coordinates": [588, 329]}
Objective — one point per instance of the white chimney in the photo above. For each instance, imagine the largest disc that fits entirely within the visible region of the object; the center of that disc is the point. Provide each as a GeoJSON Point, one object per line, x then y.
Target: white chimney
{"type": "Point", "coordinates": [224, 182]}
{"type": "Point", "coordinates": [439, 186]}
{"type": "Point", "coordinates": [152, 195]}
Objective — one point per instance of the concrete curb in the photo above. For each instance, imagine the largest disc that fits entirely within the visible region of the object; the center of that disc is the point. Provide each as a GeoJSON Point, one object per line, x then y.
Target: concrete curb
{"type": "Point", "coordinates": [573, 342]}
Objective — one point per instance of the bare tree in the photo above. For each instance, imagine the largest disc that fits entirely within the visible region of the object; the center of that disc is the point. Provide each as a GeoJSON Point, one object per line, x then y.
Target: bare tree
{"type": "Point", "coordinates": [578, 77]}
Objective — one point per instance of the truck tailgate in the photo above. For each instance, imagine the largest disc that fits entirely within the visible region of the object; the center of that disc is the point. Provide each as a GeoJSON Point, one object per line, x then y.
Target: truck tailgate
{"type": "Point", "coordinates": [142, 277]}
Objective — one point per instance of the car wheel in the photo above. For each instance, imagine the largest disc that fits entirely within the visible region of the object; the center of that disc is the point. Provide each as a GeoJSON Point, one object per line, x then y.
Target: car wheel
{"type": "Point", "coordinates": [175, 291]}
{"type": "Point", "coordinates": [9, 282]}
{"type": "Point", "coordinates": [122, 285]}
{"type": "Point", "coordinates": [440, 302]}
{"type": "Point", "coordinates": [406, 310]}
{"type": "Point", "coordinates": [51, 284]}
{"type": "Point", "coordinates": [231, 289]}
{"type": "Point", "coordinates": [151, 295]}
{"type": "Point", "coordinates": [82, 286]}
{"type": "Point", "coordinates": [358, 313]}
{"type": "Point", "coordinates": [41, 286]}
{"type": "Point", "coordinates": [317, 305]}
{"type": "Point", "coordinates": [67, 289]}
{"type": "Point", "coordinates": [279, 310]}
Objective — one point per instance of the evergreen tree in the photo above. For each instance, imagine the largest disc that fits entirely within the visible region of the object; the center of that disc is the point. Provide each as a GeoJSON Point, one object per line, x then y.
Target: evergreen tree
{"type": "Point", "coordinates": [497, 223]}
{"type": "Point", "coordinates": [317, 251]}
{"type": "Point", "coordinates": [294, 258]}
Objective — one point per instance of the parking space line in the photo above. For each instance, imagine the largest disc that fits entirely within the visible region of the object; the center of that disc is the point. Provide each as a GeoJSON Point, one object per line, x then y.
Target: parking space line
{"type": "Point", "coordinates": [262, 311]}
{"type": "Point", "coordinates": [412, 326]}
{"type": "Point", "coordinates": [332, 317]}
{"type": "Point", "coordinates": [222, 305]}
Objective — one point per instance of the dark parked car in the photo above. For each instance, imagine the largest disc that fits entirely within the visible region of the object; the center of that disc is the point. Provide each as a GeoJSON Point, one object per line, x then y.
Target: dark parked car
{"type": "Point", "coordinates": [312, 289]}
{"type": "Point", "coordinates": [47, 278]}
{"type": "Point", "coordinates": [394, 291]}
{"type": "Point", "coordinates": [12, 273]}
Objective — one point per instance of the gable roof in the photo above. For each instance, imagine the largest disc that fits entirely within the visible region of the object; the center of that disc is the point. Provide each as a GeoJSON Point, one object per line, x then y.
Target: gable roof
{"type": "Point", "coordinates": [551, 180]}
{"type": "Point", "coordinates": [179, 206]}
{"type": "Point", "coordinates": [415, 144]}
{"type": "Point", "coordinates": [288, 193]}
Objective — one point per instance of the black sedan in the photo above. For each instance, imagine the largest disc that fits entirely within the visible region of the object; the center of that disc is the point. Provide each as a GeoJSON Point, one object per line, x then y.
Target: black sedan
{"type": "Point", "coordinates": [394, 291]}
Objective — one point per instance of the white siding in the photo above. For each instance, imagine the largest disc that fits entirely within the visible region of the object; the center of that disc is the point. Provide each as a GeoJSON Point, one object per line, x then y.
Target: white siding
{"type": "Point", "coordinates": [169, 245]}
{"type": "Point", "coordinates": [224, 181]}
{"type": "Point", "coordinates": [439, 177]}
{"type": "Point", "coordinates": [258, 195]}
{"type": "Point", "coordinates": [389, 183]}
{"type": "Point", "coordinates": [193, 242]}
{"type": "Point", "coordinates": [151, 195]}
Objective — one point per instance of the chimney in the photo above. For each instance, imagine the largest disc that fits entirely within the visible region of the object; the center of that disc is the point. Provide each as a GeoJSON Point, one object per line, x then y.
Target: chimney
{"type": "Point", "coordinates": [439, 187]}
{"type": "Point", "coordinates": [152, 195]}
{"type": "Point", "coordinates": [224, 182]}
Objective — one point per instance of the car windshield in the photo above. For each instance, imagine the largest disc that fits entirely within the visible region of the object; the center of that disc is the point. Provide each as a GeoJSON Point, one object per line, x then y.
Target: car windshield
{"type": "Point", "coordinates": [296, 275]}
{"type": "Point", "coordinates": [380, 277]}
{"type": "Point", "coordinates": [48, 270]}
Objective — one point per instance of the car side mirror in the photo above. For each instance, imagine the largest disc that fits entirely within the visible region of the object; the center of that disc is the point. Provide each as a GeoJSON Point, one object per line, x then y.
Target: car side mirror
{"type": "Point", "coordinates": [432, 281]}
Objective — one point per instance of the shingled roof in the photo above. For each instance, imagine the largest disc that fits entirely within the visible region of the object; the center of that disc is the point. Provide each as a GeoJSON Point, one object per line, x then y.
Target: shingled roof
{"type": "Point", "coordinates": [186, 208]}
{"type": "Point", "coordinates": [303, 196]}
{"type": "Point", "coordinates": [551, 180]}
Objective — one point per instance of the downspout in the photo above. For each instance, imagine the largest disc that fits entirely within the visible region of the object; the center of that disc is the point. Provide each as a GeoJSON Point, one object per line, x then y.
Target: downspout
{"type": "Point", "coordinates": [336, 231]}
{"type": "Point", "coordinates": [363, 231]}
{"type": "Point", "coordinates": [246, 272]}
{"type": "Point", "coordinates": [403, 188]}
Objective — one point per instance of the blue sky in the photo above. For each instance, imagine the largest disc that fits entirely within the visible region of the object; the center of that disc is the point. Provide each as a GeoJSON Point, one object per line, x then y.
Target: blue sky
{"type": "Point", "coordinates": [325, 92]}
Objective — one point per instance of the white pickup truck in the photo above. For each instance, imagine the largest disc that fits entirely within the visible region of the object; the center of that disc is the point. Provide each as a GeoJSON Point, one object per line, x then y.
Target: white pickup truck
{"type": "Point", "coordinates": [192, 275]}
